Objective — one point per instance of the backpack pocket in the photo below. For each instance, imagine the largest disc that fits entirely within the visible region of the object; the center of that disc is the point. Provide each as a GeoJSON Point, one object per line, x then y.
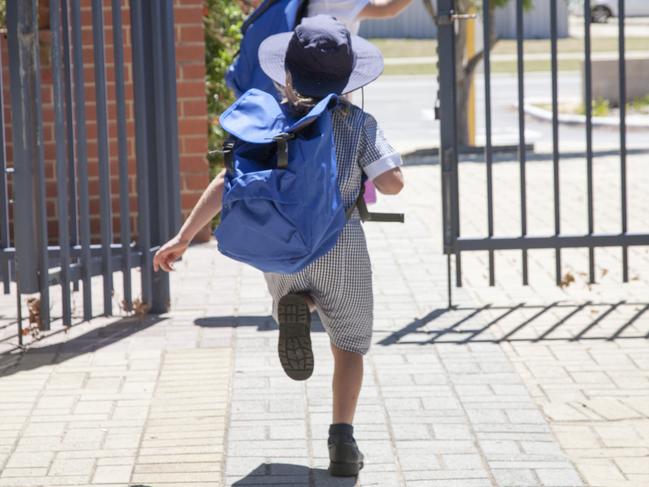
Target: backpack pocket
{"type": "Point", "coordinates": [260, 220]}
{"type": "Point", "coordinates": [273, 184]}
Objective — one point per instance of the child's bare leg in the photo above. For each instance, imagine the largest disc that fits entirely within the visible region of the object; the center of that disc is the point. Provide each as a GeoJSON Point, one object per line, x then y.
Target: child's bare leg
{"type": "Point", "coordinates": [309, 302]}
{"type": "Point", "coordinates": [347, 382]}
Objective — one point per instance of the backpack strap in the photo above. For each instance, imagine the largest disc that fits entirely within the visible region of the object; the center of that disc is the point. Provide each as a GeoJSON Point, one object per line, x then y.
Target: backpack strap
{"type": "Point", "coordinates": [368, 216]}
{"type": "Point", "coordinates": [302, 12]}
{"type": "Point", "coordinates": [258, 12]}
{"type": "Point", "coordinates": [261, 9]}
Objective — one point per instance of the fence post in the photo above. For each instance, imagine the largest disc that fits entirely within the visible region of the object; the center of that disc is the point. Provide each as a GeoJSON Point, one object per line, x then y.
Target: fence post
{"type": "Point", "coordinates": [448, 124]}
{"type": "Point", "coordinates": [156, 140]}
{"type": "Point", "coordinates": [5, 268]}
{"type": "Point", "coordinates": [29, 178]}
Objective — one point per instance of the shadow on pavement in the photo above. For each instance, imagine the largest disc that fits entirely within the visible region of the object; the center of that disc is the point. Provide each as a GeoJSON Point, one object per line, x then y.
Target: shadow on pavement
{"type": "Point", "coordinates": [36, 356]}
{"type": "Point", "coordinates": [526, 323]}
{"type": "Point", "coordinates": [285, 474]}
{"type": "Point", "coordinates": [263, 323]}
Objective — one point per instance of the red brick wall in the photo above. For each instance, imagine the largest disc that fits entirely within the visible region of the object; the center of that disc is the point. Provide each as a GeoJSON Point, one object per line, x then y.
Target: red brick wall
{"type": "Point", "coordinates": [192, 113]}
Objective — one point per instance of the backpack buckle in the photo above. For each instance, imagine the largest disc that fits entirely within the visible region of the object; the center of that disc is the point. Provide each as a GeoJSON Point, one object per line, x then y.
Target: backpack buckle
{"type": "Point", "coordinates": [282, 148]}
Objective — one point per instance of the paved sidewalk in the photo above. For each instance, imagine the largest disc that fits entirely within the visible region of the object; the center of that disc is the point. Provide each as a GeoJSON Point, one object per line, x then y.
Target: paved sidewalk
{"type": "Point", "coordinates": [517, 387]}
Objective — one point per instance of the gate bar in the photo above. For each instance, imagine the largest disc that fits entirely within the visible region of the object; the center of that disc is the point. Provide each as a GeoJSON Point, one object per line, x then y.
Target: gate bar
{"type": "Point", "coordinates": [552, 241]}
{"type": "Point", "coordinates": [26, 256]}
{"type": "Point", "coordinates": [521, 130]}
{"type": "Point", "coordinates": [105, 199]}
{"type": "Point", "coordinates": [4, 193]}
{"type": "Point", "coordinates": [169, 57]}
{"type": "Point", "coordinates": [488, 146]}
{"type": "Point", "coordinates": [448, 133]}
{"type": "Point", "coordinates": [588, 102]}
{"type": "Point", "coordinates": [555, 135]}
{"type": "Point", "coordinates": [161, 231]}
{"type": "Point", "coordinates": [61, 162]}
{"type": "Point", "coordinates": [41, 208]}
{"type": "Point", "coordinates": [158, 171]}
{"type": "Point", "coordinates": [124, 202]}
{"type": "Point", "coordinates": [82, 161]}
{"type": "Point", "coordinates": [141, 148]}
{"type": "Point", "coordinates": [623, 171]}
{"type": "Point", "coordinates": [69, 109]}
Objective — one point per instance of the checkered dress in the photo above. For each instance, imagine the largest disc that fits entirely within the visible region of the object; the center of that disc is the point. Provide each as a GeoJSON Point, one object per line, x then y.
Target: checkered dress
{"type": "Point", "coordinates": [340, 282]}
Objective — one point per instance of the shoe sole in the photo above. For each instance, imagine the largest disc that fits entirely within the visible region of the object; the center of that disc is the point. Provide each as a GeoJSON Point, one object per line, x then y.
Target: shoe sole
{"type": "Point", "coordinates": [294, 344]}
{"type": "Point", "coordinates": [338, 469]}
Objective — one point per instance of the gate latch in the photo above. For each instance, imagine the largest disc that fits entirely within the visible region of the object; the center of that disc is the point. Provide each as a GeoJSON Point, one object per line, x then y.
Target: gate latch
{"type": "Point", "coordinates": [449, 19]}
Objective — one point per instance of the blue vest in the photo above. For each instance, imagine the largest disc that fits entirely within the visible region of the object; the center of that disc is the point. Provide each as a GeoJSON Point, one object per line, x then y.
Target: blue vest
{"type": "Point", "coordinates": [271, 17]}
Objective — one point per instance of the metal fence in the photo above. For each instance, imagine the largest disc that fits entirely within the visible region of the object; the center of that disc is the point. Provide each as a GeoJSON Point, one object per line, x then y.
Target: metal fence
{"type": "Point", "coordinates": [72, 260]}
{"type": "Point", "coordinates": [454, 243]}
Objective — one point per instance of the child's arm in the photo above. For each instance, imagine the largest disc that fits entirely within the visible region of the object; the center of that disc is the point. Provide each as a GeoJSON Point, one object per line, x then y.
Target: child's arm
{"type": "Point", "coordinates": [378, 159]}
{"type": "Point", "coordinates": [390, 182]}
{"type": "Point", "coordinates": [381, 9]}
{"type": "Point", "coordinates": [208, 206]}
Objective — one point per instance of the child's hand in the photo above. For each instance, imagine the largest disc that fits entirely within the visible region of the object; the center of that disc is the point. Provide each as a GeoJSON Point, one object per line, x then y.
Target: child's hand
{"type": "Point", "coordinates": [169, 253]}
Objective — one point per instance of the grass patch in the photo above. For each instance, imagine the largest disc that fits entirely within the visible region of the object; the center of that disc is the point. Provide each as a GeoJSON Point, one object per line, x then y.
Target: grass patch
{"type": "Point", "coordinates": [398, 48]}
{"type": "Point", "coordinates": [601, 107]}
{"type": "Point", "coordinates": [535, 66]}
{"type": "Point", "coordinates": [496, 67]}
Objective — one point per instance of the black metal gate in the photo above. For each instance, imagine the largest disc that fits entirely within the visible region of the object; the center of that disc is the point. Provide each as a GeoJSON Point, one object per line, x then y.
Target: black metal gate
{"type": "Point", "coordinates": [454, 243]}
{"type": "Point", "coordinates": [29, 256]}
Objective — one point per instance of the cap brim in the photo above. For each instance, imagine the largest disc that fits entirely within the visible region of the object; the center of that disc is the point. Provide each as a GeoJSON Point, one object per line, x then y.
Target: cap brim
{"type": "Point", "coordinates": [368, 67]}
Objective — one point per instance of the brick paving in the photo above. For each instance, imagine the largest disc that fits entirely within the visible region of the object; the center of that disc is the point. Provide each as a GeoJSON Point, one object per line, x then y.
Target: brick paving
{"type": "Point", "coordinates": [534, 386]}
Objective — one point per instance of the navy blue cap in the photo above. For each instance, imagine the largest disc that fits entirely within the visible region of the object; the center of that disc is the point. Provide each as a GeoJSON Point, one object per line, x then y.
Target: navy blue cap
{"type": "Point", "coordinates": [322, 57]}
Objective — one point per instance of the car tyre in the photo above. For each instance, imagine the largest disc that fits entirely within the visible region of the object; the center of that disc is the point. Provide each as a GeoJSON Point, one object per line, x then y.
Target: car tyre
{"type": "Point", "coordinates": [600, 14]}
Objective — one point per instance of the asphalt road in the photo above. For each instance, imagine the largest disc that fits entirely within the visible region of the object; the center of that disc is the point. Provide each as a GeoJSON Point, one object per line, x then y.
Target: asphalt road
{"type": "Point", "coordinates": [403, 105]}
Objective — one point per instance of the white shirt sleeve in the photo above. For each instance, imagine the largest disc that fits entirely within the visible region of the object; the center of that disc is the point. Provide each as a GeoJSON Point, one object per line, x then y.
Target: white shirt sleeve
{"type": "Point", "coordinates": [384, 164]}
{"type": "Point", "coordinates": [376, 155]}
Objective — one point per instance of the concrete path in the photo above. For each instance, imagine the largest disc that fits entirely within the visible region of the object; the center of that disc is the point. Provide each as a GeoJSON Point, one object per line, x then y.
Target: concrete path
{"type": "Point", "coordinates": [536, 386]}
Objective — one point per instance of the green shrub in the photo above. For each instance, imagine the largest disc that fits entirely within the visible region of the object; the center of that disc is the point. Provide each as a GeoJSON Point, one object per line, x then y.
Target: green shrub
{"type": "Point", "coordinates": [640, 104]}
{"type": "Point", "coordinates": [222, 20]}
{"type": "Point", "coordinates": [601, 107]}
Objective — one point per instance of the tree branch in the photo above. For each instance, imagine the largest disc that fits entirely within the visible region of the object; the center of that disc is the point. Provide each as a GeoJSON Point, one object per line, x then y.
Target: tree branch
{"type": "Point", "coordinates": [472, 63]}
{"type": "Point", "coordinates": [430, 7]}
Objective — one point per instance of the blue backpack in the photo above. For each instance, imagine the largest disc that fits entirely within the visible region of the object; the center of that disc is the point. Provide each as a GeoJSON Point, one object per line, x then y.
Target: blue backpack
{"type": "Point", "coordinates": [271, 17]}
{"type": "Point", "coordinates": [282, 207]}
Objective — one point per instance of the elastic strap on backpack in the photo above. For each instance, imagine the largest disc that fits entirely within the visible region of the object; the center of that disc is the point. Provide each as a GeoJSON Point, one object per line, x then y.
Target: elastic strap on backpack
{"type": "Point", "coordinates": [368, 216]}
{"type": "Point", "coordinates": [227, 150]}
{"type": "Point", "coordinates": [228, 154]}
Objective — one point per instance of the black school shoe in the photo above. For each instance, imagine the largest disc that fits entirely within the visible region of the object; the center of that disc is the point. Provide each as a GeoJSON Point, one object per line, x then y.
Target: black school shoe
{"type": "Point", "coordinates": [345, 459]}
{"type": "Point", "coordinates": [294, 345]}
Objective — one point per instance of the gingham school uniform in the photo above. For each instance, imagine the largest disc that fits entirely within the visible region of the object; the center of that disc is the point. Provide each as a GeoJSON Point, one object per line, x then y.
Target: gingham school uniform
{"type": "Point", "coordinates": [340, 282]}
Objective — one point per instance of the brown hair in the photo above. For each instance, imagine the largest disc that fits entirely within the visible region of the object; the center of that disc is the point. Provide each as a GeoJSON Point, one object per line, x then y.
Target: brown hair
{"type": "Point", "coordinates": [300, 104]}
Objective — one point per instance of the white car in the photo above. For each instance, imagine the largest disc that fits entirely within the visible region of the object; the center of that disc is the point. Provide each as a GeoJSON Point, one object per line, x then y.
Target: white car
{"type": "Point", "coordinates": [601, 10]}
